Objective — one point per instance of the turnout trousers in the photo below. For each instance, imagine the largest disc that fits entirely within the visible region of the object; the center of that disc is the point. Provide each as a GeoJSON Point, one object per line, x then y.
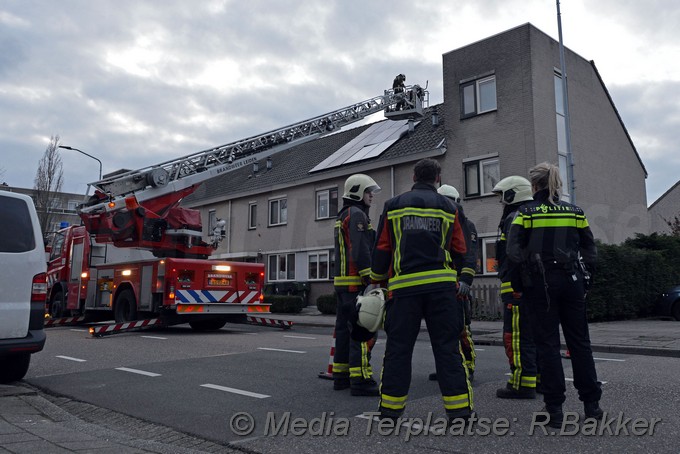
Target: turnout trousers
{"type": "Point", "coordinates": [467, 345]}
{"type": "Point", "coordinates": [562, 303]}
{"type": "Point", "coordinates": [352, 358]}
{"type": "Point", "coordinates": [518, 340]}
{"type": "Point", "coordinates": [443, 315]}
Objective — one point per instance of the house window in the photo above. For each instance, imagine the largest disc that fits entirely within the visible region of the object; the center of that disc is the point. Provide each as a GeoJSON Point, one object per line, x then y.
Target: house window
{"type": "Point", "coordinates": [278, 212]}
{"type": "Point", "coordinates": [481, 176]}
{"type": "Point", "coordinates": [327, 203]}
{"type": "Point", "coordinates": [72, 204]}
{"type": "Point", "coordinates": [318, 265]}
{"type": "Point", "coordinates": [252, 216]}
{"type": "Point", "coordinates": [477, 96]}
{"type": "Point", "coordinates": [486, 256]}
{"type": "Point", "coordinates": [212, 220]}
{"type": "Point", "coordinates": [281, 267]}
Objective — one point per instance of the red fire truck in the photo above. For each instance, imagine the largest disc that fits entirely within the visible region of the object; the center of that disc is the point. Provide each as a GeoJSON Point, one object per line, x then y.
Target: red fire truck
{"type": "Point", "coordinates": [139, 254]}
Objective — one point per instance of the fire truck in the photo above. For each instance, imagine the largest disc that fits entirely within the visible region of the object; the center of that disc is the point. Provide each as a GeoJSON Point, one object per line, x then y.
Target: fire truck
{"type": "Point", "coordinates": [139, 254]}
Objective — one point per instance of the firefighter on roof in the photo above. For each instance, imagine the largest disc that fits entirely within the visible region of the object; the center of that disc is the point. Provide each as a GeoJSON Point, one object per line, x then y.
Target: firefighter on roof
{"type": "Point", "coordinates": [518, 340]}
{"type": "Point", "coordinates": [354, 240]}
{"type": "Point", "coordinates": [419, 235]}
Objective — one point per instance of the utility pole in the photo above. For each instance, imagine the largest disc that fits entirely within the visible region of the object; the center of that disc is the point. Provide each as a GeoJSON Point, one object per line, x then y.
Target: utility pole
{"type": "Point", "coordinates": [565, 98]}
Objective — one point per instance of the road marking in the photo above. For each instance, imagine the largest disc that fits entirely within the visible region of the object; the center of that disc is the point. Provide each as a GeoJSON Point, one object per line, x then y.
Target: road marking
{"type": "Point", "coordinates": [235, 391]}
{"type": "Point", "coordinates": [300, 337]}
{"type": "Point", "coordinates": [480, 349]}
{"type": "Point", "coordinates": [78, 330]}
{"type": "Point", "coordinates": [72, 359]}
{"type": "Point", "coordinates": [137, 371]}
{"type": "Point", "coordinates": [279, 350]}
{"type": "Point", "coordinates": [611, 359]}
{"type": "Point", "coordinates": [155, 337]}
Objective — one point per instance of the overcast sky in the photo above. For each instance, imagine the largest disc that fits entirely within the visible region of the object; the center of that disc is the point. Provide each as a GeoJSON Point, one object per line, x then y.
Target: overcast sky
{"type": "Point", "coordinates": [139, 82]}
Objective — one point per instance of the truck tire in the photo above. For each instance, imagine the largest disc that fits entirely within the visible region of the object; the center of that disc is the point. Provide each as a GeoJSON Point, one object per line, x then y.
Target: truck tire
{"type": "Point", "coordinates": [126, 307]}
{"type": "Point", "coordinates": [58, 305]}
{"type": "Point", "coordinates": [207, 325]}
{"type": "Point", "coordinates": [14, 367]}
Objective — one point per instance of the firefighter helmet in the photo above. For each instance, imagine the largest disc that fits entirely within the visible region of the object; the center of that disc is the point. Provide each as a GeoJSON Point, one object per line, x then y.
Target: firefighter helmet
{"type": "Point", "coordinates": [513, 189]}
{"type": "Point", "coordinates": [371, 309]}
{"type": "Point", "coordinates": [450, 192]}
{"type": "Point", "coordinates": [357, 184]}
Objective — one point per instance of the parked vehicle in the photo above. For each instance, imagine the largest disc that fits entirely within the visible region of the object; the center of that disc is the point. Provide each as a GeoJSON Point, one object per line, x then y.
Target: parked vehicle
{"type": "Point", "coordinates": [668, 303]}
{"type": "Point", "coordinates": [23, 285]}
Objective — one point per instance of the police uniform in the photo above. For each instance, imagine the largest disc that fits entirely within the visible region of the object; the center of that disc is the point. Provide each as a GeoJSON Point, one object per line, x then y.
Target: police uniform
{"type": "Point", "coordinates": [354, 239]}
{"type": "Point", "coordinates": [548, 238]}
{"type": "Point", "coordinates": [418, 236]}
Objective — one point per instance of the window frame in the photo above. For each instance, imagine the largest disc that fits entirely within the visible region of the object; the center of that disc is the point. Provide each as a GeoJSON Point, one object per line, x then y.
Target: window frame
{"type": "Point", "coordinates": [329, 200]}
{"type": "Point", "coordinates": [483, 256]}
{"type": "Point", "coordinates": [281, 212]}
{"type": "Point", "coordinates": [319, 255]}
{"type": "Point", "coordinates": [252, 215]}
{"type": "Point", "coordinates": [476, 93]}
{"type": "Point", "coordinates": [480, 164]}
{"type": "Point", "coordinates": [212, 220]}
{"type": "Point", "coordinates": [284, 258]}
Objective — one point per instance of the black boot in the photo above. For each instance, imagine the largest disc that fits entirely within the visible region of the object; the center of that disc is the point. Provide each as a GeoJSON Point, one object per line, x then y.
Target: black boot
{"type": "Point", "coordinates": [364, 387]}
{"type": "Point", "coordinates": [340, 383]}
{"type": "Point", "coordinates": [511, 393]}
{"type": "Point", "coordinates": [593, 410]}
{"type": "Point", "coordinates": [552, 414]}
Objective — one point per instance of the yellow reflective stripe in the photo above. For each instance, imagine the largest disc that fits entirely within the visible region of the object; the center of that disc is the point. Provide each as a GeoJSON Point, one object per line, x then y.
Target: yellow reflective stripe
{"type": "Point", "coordinates": [391, 402]}
{"type": "Point", "coordinates": [529, 381]}
{"type": "Point", "coordinates": [421, 212]}
{"type": "Point", "coordinates": [340, 367]}
{"type": "Point", "coordinates": [365, 272]}
{"type": "Point", "coordinates": [456, 402]}
{"type": "Point", "coordinates": [341, 244]}
{"type": "Point", "coordinates": [502, 236]}
{"type": "Point", "coordinates": [355, 372]}
{"type": "Point", "coordinates": [556, 219]}
{"type": "Point", "coordinates": [506, 287]}
{"type": "Point", "coordinates": [347, 280]}
{"type": "Point", "coordinates": [422, 278]}
{"type": "Point", "coordinates": [378, 277]}
{"type": "Point", "coordinates": [466, 270]}
{"type": "Point", "coordinates": [365, 369]}
{"type": "Point", "coordinates": [516, 360]}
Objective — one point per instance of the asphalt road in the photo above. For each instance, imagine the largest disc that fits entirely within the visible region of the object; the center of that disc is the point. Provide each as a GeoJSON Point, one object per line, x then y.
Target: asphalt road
{"type": "Point", "coordinates": [213, 385]}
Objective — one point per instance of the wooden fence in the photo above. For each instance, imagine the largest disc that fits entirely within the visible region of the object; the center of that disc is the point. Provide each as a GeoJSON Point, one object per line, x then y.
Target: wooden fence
{"type": "Point", "coordinates": [486, 302]}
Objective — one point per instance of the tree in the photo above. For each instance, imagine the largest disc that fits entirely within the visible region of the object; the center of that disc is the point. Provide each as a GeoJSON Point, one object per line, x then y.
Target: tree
{"type": "Point", "coordinates": [48, 181]}
{"type": "Point", "coordinates": [674, 225]}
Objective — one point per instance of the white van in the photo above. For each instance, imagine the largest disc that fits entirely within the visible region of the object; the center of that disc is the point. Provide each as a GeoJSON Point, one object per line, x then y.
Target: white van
{"type": "Point", "coordinates": [23, 285]}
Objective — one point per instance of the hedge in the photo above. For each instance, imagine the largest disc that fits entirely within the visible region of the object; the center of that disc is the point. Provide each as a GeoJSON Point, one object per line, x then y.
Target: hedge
{"type": "Point", "coordinates": [327, 304]}
{"type": "Point", "coordinates": [284, 304]}
{"type": "Point", "coordinates": [630, 276]}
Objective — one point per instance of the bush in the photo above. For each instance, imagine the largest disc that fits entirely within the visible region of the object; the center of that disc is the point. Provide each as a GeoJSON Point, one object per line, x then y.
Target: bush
{"type": "Point", "coordinates": [284, 304]}
{"type": "Point", "coordinates": [630, 276]}
{"type": "Point", "coordinates": [327, 304]}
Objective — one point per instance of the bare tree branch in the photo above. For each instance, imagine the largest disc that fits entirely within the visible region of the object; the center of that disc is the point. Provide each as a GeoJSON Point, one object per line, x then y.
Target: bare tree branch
{"type": "Point", "coordinates": [49, 179]}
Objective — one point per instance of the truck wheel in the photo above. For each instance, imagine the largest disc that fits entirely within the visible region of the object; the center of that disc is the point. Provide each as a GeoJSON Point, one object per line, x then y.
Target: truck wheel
{"type": "Point", "coordinates": [207, 325]}
{"type": "Point", "coordinates": [14, 367]}
{"type": "Point", "coordinates": [126, 307]}
{"type": "Point", "coordinates": [57, 305]}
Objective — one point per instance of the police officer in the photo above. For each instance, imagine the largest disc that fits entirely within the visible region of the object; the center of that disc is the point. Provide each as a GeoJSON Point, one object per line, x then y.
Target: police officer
{"type": "Point", "coordinates": [354, 240]}
{"type": "Point", "coordinates": [465, 266]}
{"type": "Point", "coordinates": [518, 339]}
{"type": "Point", "coordinates": [419, 233]}
{"type": "Point", "coordinates": [550, 236]}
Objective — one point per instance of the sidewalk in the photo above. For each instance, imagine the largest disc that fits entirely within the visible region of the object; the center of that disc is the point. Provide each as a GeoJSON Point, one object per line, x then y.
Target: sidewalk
{"type": "Point", "coordinates": [654, 336]}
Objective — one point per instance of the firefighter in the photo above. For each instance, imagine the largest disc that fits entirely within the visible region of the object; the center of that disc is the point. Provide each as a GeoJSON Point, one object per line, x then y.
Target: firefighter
{"type": "Point", "coordinates": [354, 240]}
{"type": "Point", "coordinates": [398, 87]}
{"type": "Point", "coordinates": [553, 240]}
{"type": "Point", "coordinates": [465, 266]}
{"type": "Point", "coordinates": [419, 234]}
{"type": "Point", "coordinates": [518, 340]}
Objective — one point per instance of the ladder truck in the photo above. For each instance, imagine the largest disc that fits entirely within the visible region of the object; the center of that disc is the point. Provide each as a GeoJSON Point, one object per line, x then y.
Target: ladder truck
{"type": "Point", "coordinates": [138, 254]}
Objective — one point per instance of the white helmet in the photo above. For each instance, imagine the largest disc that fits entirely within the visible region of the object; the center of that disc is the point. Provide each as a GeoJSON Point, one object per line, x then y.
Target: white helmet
{"type": "Point", "coordinates": [514, 189]}
{"type": "Point", "coordinates": [357, 184]}
{"type": "Point", "coordinates": [371, 309]}
{"type": "Point", "coordinates": [450, 192]}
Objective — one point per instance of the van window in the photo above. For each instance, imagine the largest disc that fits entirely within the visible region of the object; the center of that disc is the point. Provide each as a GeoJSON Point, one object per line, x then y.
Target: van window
{"type": "Point", "coordinates": [16, 229]}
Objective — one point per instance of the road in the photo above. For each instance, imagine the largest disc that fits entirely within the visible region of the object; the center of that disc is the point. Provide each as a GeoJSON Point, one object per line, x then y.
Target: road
{"type": "Point", "coordinates": [211, 385]}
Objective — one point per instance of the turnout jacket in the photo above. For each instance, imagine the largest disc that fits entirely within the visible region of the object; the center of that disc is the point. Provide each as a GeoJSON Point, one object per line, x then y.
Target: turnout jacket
{"type": "Point", "coordinates": [508, 271]}
{"type": "Point", "coordinates": [419, 235]}
{"type": "Point", "coordinates": [558, 233]}
{"type": "Point", "coordinates": [354, 240]}
{"type": "Point", "coordinates": [466, 264]}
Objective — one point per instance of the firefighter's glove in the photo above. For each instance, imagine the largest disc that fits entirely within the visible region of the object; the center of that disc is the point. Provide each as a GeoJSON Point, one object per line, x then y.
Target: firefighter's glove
{"type": "Point", "coordinates": [463, 289]}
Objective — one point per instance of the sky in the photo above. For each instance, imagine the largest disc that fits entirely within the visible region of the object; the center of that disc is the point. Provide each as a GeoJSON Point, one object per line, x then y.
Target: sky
{"type": "Point", "coordinates": [139, 82]}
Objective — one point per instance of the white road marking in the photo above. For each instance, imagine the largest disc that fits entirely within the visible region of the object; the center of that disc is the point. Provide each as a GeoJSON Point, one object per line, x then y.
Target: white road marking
{"type": "Point", "coordinates": [611, 359]}
{"type": "Point", "coordinates": [279, 350]}
{"type": "Point", "coordinates": [300, 337]}
{"type": "Point", "coordinates": [78, 330]}
{"type": "Point", "coordinates": [72, 359]}
{"type": "Point", "coordinates": [235, 391]}
{"type": "Point", "coordinates": [155, 337]}
{"type": "Point", "coordinates": [137, 371]}
{"type": "Point", "coordinates": [480, 349]}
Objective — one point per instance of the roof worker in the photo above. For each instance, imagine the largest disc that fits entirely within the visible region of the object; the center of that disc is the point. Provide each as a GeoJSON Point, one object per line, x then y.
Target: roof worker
{"type": "Point", "coordinates": [419, 235]}
{"type": "Point", "coordinates": [465, 266]}
{"type": "Point", "coordinates": [552, 239]}
{"type": "Point", "coordinates": [518, 340]}
{"type": "Point", "coordinates": [354, 240]}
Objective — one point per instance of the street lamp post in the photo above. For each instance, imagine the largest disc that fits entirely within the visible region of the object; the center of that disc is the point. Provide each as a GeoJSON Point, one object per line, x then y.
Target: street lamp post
{"type": "Point", "coordinates": [89, 155]}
